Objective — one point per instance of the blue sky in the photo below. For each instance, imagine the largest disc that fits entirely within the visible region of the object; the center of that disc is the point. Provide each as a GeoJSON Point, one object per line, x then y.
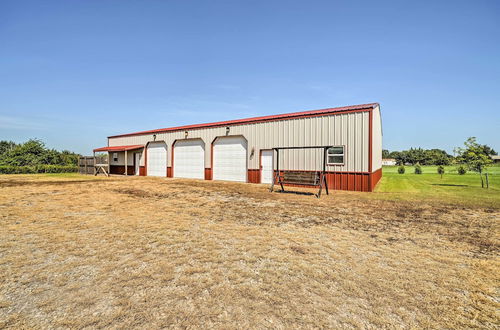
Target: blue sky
{"type": "Point", "coordinates": [74, 72]}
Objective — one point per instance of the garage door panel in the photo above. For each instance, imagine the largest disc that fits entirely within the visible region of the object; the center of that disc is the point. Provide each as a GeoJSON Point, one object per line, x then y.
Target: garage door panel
{"type": "Point", "coordinates": [230, 159]}
{"type": "Point", "coordinates": [157, 159]}
{"type": "Point", "coordinates": [189, 159]}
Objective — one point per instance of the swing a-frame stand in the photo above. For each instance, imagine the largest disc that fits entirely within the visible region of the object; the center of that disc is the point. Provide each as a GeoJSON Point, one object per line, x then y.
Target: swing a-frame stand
{"type": "Point", "coordinates": [300, 178]}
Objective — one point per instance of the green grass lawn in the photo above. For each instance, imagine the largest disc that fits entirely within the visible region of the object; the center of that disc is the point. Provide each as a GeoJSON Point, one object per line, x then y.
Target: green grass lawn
{"type": "Point", "coordinates": [452, 188]}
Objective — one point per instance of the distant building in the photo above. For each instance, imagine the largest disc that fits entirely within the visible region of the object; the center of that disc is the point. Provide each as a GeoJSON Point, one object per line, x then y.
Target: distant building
{"type": "Point", "coordinates": [496, 159]}
{"type": "Point", "coordinates": [388, 162]}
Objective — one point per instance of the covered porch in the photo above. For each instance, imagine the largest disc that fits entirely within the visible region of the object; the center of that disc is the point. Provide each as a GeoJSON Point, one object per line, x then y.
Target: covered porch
{"type": "Point", "coordinates": [124, 160]}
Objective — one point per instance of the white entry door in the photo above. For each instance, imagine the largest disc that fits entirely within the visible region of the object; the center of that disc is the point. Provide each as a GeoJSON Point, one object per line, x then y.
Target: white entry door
{"type": "Point", "coordinates": [189, 159]}
{"type": "Point", "coordinates": [266, 163]}
{"type": "Point", "coordinates": [157, 159]}
{"type": "Point", "coordinates": [230, 159]}
{"type": "Point", "coordinates": [137, 160]}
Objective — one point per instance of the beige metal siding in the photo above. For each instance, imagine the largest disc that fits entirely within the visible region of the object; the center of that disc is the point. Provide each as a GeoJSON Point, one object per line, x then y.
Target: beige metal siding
{"type": "Point", "coordinates": [377, 140]}
{"type": "Point", "coordinates": [348, 129]}
{"type": "Point", "coordinates": [121, 158]}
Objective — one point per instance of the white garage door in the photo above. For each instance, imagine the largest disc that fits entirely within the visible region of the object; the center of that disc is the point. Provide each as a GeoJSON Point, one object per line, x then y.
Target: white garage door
{"type": "Point", "coordinates": [189, 159]}
{"type": "Point", "coordinates": [157, 159]}
{"type": "Point", "coordinates": [230, 159]}
{"type": "Point", "coordinates": [266, 162]}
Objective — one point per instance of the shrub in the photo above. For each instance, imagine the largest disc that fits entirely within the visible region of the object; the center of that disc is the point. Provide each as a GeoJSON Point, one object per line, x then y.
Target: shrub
{"type": "Point", "coordinates": [461, 170]}
{"type": "Point", "coordinates": [9, 169]}
{"type": "Point", "coordinates": [418, 169]}
{"type": "Point", "coordinates": [440, 170]}
{"type": "Point", "coordinates": [401, 169]}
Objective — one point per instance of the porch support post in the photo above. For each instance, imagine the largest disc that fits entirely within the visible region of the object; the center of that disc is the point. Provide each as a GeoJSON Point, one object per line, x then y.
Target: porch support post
{"type": "Point", "coordinates": [126, 165]}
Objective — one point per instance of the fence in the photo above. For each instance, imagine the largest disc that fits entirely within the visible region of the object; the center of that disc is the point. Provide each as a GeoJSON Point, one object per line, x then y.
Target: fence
{"type": "Point", "coordinates": [87, 164]}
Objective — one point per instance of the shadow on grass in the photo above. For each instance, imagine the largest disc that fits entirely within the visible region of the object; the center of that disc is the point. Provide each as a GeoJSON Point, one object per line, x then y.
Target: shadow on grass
{"type": "Point", "coordinates": [449, 185]}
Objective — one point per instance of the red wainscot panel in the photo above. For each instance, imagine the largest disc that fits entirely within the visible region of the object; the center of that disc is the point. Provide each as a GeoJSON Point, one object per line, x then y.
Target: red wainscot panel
{"type": "Point", "coordinates": [253, 176]}
{"type": "Point", "coordinates": [169, 172]}
{"type": "Point", "coordinates": [142, 170]}
{"type": "Point", "coordinates": [208, 174]}
{"type": "Point", "coordinates": [352, 181]}
{"type": "Point", "coordinates": [366, 183]}
{"type": "Point", "coordinates": [375, 178]}
{"type": "Point", "coordinates": [120, 169]}
{"type": "Point", "coordinates": [358, 183]}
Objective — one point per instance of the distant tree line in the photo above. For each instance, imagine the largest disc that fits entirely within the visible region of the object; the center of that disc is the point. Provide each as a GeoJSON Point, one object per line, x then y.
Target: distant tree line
{"type": "Point", "coordinates": [33, 156]}
{"type": "Point", "coordinates": [432, 156]}
{"type": "Point", "coordinates": [419, 156]}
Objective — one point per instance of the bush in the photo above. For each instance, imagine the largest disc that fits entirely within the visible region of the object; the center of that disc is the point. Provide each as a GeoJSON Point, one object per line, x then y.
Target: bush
{"type": "Point", "coordinates": [461, 170]}
{"type": "Point", "coordinates": [34, 153]}
{"type": "Point", "coordinates": [440, 170]}
{"type": "Point", "coordinates": [418, 169]}
{"type": "Point", "coordinates": [401, 169]}
{"type": "Point", "coordinates": [9, 169]}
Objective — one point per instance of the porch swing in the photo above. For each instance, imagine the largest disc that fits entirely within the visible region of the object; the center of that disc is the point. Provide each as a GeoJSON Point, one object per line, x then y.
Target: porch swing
{"type": "Point", "coordinates": [315, 178]}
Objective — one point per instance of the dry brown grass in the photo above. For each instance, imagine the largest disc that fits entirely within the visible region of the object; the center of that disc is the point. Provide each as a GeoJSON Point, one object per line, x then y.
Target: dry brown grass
{"type": "Point", "coordinates": [145, 252]}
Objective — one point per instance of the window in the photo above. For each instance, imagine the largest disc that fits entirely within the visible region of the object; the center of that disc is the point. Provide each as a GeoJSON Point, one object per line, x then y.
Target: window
{"type": "Point", "coordinates": [335, 155]}
{"type": "Point", "coordinates": [115, 156]}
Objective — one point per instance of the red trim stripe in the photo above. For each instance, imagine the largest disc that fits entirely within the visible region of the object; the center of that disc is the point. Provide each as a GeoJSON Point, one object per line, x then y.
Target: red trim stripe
{"type": "Point", "coordinates": [120, 148]}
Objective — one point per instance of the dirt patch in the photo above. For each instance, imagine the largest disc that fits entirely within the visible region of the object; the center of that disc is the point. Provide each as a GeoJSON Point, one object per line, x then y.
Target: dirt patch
{"type": "Point", "coordinates": [146, 252]}
{"type": "Point", "coordinates": [139, 193]}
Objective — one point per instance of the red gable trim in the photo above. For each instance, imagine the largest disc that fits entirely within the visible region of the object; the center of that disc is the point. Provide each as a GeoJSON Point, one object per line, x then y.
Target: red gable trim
{"type": "Point", "coordinates": [119, 148]}
{"type": "Point", "coordinates": [361, 107]}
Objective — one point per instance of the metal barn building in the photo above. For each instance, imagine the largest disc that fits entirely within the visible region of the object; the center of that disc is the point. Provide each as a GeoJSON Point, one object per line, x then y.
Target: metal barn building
{"type": "Point", "coordinates": [242, 150]}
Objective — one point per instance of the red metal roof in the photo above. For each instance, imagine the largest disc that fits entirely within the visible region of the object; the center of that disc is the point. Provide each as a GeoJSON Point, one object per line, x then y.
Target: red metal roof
{"type": "Point", "coordinates": [291, 115]}
{"type": "Point", "coordinates": [120, 148]}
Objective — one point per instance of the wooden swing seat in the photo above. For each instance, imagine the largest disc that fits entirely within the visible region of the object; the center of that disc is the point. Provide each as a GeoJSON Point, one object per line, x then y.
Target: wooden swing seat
{"type": "Point", "coordinates": [300, 178]}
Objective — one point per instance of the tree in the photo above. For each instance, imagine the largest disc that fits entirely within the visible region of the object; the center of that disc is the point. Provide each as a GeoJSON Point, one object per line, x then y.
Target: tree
{"type": "Point", "coordinates": [461, 170]}
{"type": "Point", "coordinates": [440, 170]}
{"type": "Point", "coordinates": [421, 156]}
{"type": "Point", "coordinates": [418, 169]}
{"type": "Point", "coordinates": [385, 153]}
{"type": "Point", "coordinates": [33, 152]}
{"type": "Point", "coordinates": [416, 156]}
{"type": "Point", "coordinates": [437, 157]}
{"type": "Point", "coordinates": [393, 154]}
{"type": "Point", "coordinates": [6, 146]}
{"type": "Point", "coordinates": [488, 150]}
{"type": "Point", "coordinates": [474, 156]}
{"type": "Point", "coordinates": [441, 159]}
{"type": "Point", "coordinates": [69, 158]}
{"type": "Point", "coordinates": [401, 157]}
{"type": "Point", "coordinates": [28, 153]}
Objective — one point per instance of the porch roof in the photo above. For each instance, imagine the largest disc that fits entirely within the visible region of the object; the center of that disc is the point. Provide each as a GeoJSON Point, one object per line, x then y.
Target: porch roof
{"type": "Point", "coordinates": [120, 148]}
